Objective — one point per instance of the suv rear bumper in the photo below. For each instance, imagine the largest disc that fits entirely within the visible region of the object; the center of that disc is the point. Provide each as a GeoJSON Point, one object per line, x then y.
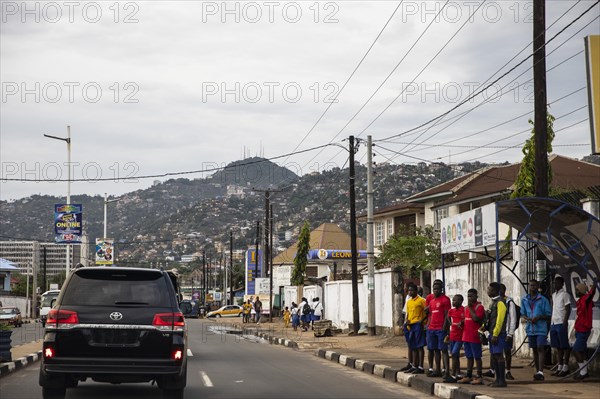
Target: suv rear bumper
{"type": "Point", "coordinates": [95, 366]}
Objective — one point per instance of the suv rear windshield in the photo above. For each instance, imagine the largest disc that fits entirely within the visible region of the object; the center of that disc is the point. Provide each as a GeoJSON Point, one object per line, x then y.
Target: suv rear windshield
{"type": "Point", "coordinates": [118, 287]}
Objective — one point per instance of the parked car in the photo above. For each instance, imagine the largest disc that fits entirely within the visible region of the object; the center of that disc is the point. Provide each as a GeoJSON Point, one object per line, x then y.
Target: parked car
{"type": "Point", "coordinates": [11, 316]}
{"type": "Point", "coordinates": [46, 304]}
{"type": "Point", "coordinates": [115, 325]}
{"type": "Point", "coordinates": [227, 311]}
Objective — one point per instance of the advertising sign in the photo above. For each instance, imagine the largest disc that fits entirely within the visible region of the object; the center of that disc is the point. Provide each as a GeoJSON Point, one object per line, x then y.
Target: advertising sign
{"type": "Point", "coordinates": [68, 222]}
{"type": "Point", "coordinates": [592, 58]}
{"type": "Point", "coordinates": [327, 254]}
{"type": "Point", "coordinates": [469, 230]}
{"type": "Point", "coordinates": [253, 269]}
{"type": "Point", "coordinates": [105, 252]}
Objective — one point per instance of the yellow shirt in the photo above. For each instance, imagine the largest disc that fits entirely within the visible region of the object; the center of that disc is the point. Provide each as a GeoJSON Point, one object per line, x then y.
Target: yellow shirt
{"type": "Point", "coordinates": [415, 309]}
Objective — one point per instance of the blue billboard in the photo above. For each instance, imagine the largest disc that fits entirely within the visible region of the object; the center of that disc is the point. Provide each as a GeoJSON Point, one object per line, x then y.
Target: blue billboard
{"type": "Point", "coordinates": [253, 269]}
{"type": "Point", "coordinates": [68, 223]}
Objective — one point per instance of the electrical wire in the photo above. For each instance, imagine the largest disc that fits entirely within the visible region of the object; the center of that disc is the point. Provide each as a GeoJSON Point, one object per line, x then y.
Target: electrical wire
{"type": "Point", "coordinates": [477, 93]}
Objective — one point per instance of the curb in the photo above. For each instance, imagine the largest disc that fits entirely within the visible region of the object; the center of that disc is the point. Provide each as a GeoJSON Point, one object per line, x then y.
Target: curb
{"type": "Point", "coordinates": [437, 389]}
{"type": "Point", "coordinates": [9, 367]}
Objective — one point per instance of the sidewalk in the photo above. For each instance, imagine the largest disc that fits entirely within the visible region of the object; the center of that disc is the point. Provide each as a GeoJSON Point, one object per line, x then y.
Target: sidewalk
{"type": "Point", "coordinates": [382, 356]}
{"type": "Point", "coordinates": [385, 355]}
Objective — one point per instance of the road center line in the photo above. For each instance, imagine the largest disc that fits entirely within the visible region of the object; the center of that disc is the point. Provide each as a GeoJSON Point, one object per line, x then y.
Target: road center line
{"type": "Point", "coordinates": [207, 382]}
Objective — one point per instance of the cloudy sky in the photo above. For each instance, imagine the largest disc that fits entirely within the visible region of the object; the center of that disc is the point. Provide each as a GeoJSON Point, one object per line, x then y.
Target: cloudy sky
{"type": "Point", "coordinates": [150, 88]}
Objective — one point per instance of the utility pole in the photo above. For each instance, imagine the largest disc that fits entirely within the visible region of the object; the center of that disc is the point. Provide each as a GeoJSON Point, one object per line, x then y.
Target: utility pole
{"type": "Point", "coordinates": [271, 263]}
{"type": "Point", "coordinates": [255, 274]}
{"type": "Point", "coordinates": [370, 246]}
{"type": "Point", "coordinates": [204, 277]}
{"type": "Point", "coordinates": [231, 266]}
{"type": "Point", "coordinates": [266, 258]}
{"type": "Point", "coordinates": [540, 98]}
{"type": "Point", "coordinates": [355, 309]}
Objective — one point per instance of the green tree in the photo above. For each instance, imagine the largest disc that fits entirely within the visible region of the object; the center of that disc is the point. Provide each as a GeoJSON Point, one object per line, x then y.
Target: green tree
{"type": "Point", "coordinates": [525, 182]}
{"type": "Point", "coordinates": [301, 260]}
{"type": "Point", "coordinates": [408, 252]}
{"type": "Point", "coordinates": [411, 252]}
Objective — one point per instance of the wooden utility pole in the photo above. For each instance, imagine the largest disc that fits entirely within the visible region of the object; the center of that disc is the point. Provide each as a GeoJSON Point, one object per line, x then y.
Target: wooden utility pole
{"type": "Point", "coordinates": [355, 308]}
{"type": "Point", "coordinates": [231, 296]}
{"type": "Point", "coordinates": [540, 98]}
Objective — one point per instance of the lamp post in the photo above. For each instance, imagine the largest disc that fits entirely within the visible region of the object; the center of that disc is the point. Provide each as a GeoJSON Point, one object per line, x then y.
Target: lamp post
{"type": "Point", "coordinates": [68, 141]}
{"type": "Point", "coordinates": [106, 202]}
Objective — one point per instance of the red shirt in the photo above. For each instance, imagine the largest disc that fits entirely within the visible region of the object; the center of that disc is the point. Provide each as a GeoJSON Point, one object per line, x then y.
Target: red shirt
{"type": "Point", "coordinates": [437, 312]}
{"type": "Point", "coordinates": [583, 322]}
{"type": "Point", "coordinates": [470, 330]}
{"type": "Point", "coordinates": [456, 316]}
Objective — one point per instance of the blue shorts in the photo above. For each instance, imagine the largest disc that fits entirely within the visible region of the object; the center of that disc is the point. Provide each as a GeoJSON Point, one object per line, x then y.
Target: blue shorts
{"type": "Point", "coordinates": [435, 340]}
{"type": "Point", "coordinates": [406, 332]}
{"type": "Point", "coordinates": [472, 350]}
{"type": "Point", "coordinates": [581, 341]}
{"type": "Point", "coordinates": [559, 337]}
{"type": "Point", "coordinates": [536, 341]}
{"type": "Point", "coordinates": [315, 317]}
{"type": "Point", "coordinates": [496, 349]}
{"type": "Point", "coordinates": [416, 336]}
{"type": "Point", "coordinates": [455, 348]}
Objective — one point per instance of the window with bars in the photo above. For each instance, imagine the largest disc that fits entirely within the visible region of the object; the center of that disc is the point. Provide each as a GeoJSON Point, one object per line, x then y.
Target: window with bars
{"type": "Point", "coordinates": [440, 214]}
{"type": "Point", "coordinates": [379, 233]}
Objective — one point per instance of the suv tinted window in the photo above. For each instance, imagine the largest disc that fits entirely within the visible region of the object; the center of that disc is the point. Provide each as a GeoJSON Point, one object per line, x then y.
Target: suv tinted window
{"type": "Point", "coordinates": [107, 288]}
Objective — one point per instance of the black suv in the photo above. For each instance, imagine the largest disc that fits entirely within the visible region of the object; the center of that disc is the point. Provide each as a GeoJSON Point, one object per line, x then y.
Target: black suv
{"type": "Point", "coordinates": [115, 325]}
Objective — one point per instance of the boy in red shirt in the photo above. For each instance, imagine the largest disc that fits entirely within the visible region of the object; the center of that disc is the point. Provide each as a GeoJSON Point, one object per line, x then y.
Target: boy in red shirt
{"type": "Point", "coordinates": [437, 309]}
{"type": "Point", "coordinates": [474, 315]}
{"type": "Point", "coordinates": [583, 325]}
{"type": "Point", "coordinates": [456, 321]}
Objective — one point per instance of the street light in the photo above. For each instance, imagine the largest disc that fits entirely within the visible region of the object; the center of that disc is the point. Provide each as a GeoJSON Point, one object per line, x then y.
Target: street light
{"type": "Point", "coordinates": [106, 202]}
{"type": "Point", "coordinates": [68, 141]}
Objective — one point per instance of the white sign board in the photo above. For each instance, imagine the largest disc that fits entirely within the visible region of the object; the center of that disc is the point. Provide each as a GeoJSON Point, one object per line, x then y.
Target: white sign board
{"type": "Point", "coordinates": [469, 230]}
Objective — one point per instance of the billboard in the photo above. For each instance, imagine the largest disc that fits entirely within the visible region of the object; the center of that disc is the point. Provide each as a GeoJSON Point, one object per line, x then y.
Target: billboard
{"type": "Point", "coordinates": [253, 269]}
{"type": "Point", "coordinates": [592, 63]}
{"type": "Point", "coordinates": [105, 251]}
{"type": "Point", "coordinates": [469, 230]}
{"type": "Point", "coordinates": [68, 222]}
{"type": "Point", "coordinates": [329, 254]}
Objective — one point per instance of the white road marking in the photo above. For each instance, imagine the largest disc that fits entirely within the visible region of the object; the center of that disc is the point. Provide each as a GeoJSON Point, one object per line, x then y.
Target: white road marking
{"type": "Point", "coordinates": [207, 382]}
{"type": "Point", "coordinates": [189, 353]}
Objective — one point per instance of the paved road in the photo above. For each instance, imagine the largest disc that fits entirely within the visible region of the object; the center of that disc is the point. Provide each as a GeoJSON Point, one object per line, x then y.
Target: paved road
{"type": "Point", "coordinates": [234, 366]}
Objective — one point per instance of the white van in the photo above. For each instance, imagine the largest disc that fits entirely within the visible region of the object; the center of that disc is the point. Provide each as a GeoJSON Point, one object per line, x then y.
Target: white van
{"type": "Point", "coordinates": [46, 304]}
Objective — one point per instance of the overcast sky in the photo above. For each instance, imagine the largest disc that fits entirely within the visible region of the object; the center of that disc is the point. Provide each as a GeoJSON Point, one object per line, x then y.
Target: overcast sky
{"type": "Point", "coordinates": [161, 87]}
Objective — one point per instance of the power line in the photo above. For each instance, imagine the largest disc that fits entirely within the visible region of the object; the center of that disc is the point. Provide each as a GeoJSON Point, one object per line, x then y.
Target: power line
{"type": "Point", "coordinates": [495, 81]}
{"type": "Point", "coordinates": [172, 173]}
{"type": "Point", "coordinates": [348, 79]}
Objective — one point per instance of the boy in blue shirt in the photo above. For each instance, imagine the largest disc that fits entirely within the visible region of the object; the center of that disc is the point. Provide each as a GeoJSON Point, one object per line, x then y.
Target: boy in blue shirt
{"type": "Point", "coordinates": [536, 311]}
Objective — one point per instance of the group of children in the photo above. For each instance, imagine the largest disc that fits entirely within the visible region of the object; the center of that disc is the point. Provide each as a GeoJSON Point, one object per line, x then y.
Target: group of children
{"type": "Point", "coordinates": [303, 315]}
{"type": "Point", "coordinates": [446, 328]}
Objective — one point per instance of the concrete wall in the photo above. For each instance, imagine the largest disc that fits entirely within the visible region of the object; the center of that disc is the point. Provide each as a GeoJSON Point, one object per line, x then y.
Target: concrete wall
{"type": "Point", "coordinates": [338, 300]}
{"type": "Point", "coordinates": [15, 301]}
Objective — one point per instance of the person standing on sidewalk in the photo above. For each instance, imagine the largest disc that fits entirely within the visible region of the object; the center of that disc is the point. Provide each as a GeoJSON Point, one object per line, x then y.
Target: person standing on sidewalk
{"type": "Point", "coordinates": [474, 317]}
{"type": "Point", "coordinates": [511, 326]}
{"type": "Point", "coordinates": [428, 298]}
{"type": "Point", "coordinates": [415, 316]}
{"type": "Point", "coordinates": [437, 310]}
{"type": "Point", "coordinates": [583, 325]}
{"type": "Point", "coordinates": [536, 312]}
{"type": "Point", "coordinates": [304, 311]}
{"type": "Point", "coordinates": [559, 326]}
{"type": "Point", "coordinates": [456, 321]}
{"type": "Point", "coordinates": [247, 311]}
{"type": "Point", "coordinates": [497, 331]}
{"type": "Point", "coordinates": [295, 316]}
{"type": "Point", "coordinates": [286, 317]}
{"type": "Point", "coordinates": [258, 309]}
{"type": "Point", "coordinates": [317, 309]}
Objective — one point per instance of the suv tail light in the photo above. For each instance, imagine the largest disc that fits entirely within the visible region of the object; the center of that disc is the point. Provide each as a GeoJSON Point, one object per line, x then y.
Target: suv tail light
{"type": "Point", "coordinates": [61, 319]}
{"type": "Point", "coordinates": [169, 321]}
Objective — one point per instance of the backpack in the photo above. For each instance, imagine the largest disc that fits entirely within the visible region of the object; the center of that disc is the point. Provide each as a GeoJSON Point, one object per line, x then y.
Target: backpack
{"type": "Point", "coordinates": [517, 310]}
{"type": "Point", "coordinates": [306, 309]}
